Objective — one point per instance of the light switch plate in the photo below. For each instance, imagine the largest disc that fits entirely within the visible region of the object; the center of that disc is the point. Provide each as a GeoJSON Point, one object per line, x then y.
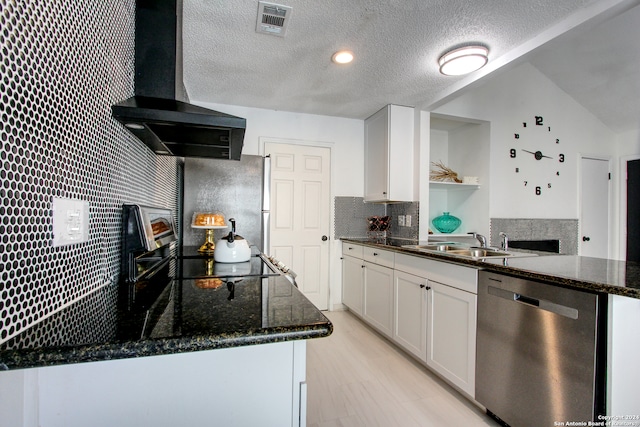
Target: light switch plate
{"type": "Point", "coordinates": [70, 221]}
{"type": "Point", "coordinates": [407, 220]}
{"type": "Point", "coordinates": [400, 220]}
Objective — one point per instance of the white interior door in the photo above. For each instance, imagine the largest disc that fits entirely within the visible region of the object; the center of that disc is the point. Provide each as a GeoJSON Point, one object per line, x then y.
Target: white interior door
{"type": "Point", "coordinates": [300, 215]}
{"type": "Point", "coordinates": [594, 208]}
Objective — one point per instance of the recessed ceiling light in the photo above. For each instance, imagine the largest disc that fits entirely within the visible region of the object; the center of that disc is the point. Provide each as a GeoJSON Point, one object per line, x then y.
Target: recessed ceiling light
{"type": "Point", "coordinates": [342, 57]}
{"type": "Point", "coordinates": [463, 60]}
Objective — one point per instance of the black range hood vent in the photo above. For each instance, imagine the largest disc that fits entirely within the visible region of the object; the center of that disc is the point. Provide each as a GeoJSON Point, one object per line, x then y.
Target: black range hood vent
{"type": "Point", "coordinates": [155, 115]}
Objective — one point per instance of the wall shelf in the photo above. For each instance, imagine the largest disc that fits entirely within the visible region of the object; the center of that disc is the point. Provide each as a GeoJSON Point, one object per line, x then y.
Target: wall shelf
{"type": "Point", "coordinates": [440, 185]}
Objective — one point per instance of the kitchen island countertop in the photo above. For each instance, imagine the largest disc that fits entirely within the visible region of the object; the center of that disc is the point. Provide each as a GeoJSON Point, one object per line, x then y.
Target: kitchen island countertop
{"type": "Point", "coordinates": [186, 317]}
{"type": "Point", "coordinates": [591, 274]}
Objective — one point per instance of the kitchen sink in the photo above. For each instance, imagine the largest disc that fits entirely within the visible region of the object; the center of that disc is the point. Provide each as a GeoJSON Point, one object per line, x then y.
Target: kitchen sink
{"type": "Point", "coordinates": [462, 251]}
{"type": "Point", "coordinates": [479, 252]}
{"type": "Point", "coordinates": [439, 247]}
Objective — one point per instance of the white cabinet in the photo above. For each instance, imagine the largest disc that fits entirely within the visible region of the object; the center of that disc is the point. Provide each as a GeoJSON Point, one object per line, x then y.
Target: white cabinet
{"type": "Point", "coordinates": [426, 306]}
{"type": "Point", "coordinates": [451, 335]}
{"type": "Point", "coordinates": [182, 389]}
{"type": "Point", "coordinates": [388, 150]}
{"type": "Point", "coordinates": [352, 283]}
{"type": "Point", "coordinates": [378, 297]}
{"type": "Point", "coordinates": [410, 313]}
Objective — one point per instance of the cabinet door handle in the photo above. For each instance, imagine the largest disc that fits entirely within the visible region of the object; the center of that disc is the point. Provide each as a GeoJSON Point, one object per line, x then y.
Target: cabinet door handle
{"type": "Point", "coordinates": [427, 288]}
{"type": "Point", "coordinates": [362, 266]}
{"type": "Point", "coordinates": [375, 254]}
{"type": "Point", "coordinates": [423, 286]}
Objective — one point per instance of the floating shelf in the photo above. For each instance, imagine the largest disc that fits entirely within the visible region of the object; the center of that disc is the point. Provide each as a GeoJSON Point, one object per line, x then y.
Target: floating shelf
{"type": "Point", "coordinates": [437, 234]}
{"type": "Point", "coordinates": [439, 185]}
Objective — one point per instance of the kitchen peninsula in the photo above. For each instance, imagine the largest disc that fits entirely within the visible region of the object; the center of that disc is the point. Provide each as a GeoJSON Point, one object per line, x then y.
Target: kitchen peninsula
{"type": "Point", "coordinates": [232, 350]}
{"type": "Point", "coordinates": [392, 286]}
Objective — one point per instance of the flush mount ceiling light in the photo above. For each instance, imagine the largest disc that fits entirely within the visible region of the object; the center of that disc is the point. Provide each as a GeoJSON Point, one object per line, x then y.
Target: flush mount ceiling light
{"type": "Point", "coordinates": [342, 57]}
{"type": "Point", "coordinates": [463, 60]}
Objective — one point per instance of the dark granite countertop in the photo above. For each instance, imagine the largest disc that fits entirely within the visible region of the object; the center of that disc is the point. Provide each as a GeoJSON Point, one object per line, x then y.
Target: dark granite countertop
{"type": "Point", "coordinates": [591, 274]}
{"type": "Point", "coordinates": [183, 317]}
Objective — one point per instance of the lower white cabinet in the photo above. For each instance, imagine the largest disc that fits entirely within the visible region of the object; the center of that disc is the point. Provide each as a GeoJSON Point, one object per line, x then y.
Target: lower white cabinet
{"type": "Point", "coordinates": [378, 297]}
{"type": "Point", "coordinates": [410, 313]}
{"type": "Point", "coordinates": [254, 385]}
{"type": "Point", "coordinates": [427, 307]}
{"type": "Point", "coordinates": [451, 335]}
{"type": "Point", "coordinates": [352, 283]}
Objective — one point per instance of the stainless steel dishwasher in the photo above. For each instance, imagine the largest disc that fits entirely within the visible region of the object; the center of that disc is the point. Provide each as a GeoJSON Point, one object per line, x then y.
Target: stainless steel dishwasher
{"type": "Point", "coordinates": [541, 352]}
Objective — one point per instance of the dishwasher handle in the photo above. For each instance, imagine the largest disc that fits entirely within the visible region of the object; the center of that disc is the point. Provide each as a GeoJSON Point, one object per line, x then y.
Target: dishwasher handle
{"type": "Point", "coordinates": [526, 300]}
{"type": "Point", "coordinates": [550, 306]}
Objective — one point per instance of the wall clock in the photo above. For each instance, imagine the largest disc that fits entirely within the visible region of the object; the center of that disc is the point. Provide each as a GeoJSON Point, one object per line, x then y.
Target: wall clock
{"type": "Point", "coordinates": [536, 152]}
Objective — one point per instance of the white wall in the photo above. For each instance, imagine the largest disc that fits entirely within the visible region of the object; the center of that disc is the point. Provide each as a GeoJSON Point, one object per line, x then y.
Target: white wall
{"type": "Point", "coordinates": [344, 136]}
{"type": "Point", "coordinates": [516, 96]}
{"type": "Point", "coordinates": [628, 143]}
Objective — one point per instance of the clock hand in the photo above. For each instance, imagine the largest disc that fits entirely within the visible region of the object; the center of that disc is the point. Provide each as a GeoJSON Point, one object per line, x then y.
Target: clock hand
{"type": "Point", "coordinates": [538, 154]}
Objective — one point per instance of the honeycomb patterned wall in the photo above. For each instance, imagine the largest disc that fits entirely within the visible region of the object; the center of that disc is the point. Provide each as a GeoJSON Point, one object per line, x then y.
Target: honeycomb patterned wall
{"type": "Point", "coordinates": [63, 64]}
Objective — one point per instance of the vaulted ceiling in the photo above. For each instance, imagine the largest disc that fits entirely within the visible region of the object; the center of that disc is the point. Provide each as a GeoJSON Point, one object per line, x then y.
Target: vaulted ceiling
{"type": "Point", "coordinates": [397, 44]}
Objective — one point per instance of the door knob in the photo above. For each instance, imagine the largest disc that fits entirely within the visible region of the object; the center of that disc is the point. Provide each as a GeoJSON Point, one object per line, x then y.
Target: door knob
{"type": "Point", "coordinates": [585, 238]}
{"type": "Point", "coordinates": [325, 238]}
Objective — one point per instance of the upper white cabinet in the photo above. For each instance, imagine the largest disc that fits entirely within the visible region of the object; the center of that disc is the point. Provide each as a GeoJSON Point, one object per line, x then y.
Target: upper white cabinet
{"type": "Point", "coordinates": [388, 168]}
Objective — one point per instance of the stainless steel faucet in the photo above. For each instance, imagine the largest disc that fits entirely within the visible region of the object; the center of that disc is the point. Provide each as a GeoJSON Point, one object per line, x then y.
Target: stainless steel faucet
{"type": "Point", "coordinates": [481, 239]}
{"type": "Point", "coordinates": [504, 241]}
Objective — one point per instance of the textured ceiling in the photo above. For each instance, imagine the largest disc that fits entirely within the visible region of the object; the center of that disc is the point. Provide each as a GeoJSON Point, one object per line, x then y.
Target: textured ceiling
{"type": "Point", "coordinates": [396, 44]}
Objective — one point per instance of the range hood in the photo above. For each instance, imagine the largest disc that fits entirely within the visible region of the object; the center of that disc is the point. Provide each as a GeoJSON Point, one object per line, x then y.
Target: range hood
{"type": "Point", "coordinates": [159, 114]}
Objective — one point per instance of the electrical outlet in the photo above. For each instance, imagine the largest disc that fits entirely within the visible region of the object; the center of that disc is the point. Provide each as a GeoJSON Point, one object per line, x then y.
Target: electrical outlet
{"type": "Point", "coordinates": [407, 220]}
{"type": "Point", "coordinates": [70, 221]}
{"type": "Point", "coordinates": [401, 220]}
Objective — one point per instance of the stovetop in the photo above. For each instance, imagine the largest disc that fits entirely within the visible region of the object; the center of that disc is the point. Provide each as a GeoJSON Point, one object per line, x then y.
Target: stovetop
{"type": "Point", "coordinates": [194, 265]}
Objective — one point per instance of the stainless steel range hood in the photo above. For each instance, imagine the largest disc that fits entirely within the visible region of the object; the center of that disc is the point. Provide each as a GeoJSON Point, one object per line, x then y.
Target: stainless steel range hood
{"type": "Point", "coordinates": [159, 114]}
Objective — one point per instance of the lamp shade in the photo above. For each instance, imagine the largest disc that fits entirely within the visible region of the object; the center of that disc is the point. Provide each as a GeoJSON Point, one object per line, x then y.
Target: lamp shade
{"type": "Point", "coordinates": [463, 60]}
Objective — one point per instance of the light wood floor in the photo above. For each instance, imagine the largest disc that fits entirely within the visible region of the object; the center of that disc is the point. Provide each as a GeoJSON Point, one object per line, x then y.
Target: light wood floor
{"type": "Point", "coordinates": [357, 378]}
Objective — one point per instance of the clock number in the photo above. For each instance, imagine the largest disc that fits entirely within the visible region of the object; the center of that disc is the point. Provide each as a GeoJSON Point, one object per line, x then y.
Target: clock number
{"type": "Point", "coordinates": [557, 141]}
{"type": "Point", "coordinates": [561, 158]}
{"type": "Point", "coordinates": [517, 170]}
{"type": "Point", "coordinates": [524, 124]}
{"type": "Point", "coordinates": [549, 185]}
{"type": "Point", "coordinates": [538, 191]}
{"type": "Point", "coordinates": [512, 153]}
{"type": "Point", "coordinates": [516, 135]}
{"type": "Point", "coordinates": [558, 173]}
{"type": "Point", "coordinates": [525, 183]}
{"type": "Point", "coordinates": [539, 121]}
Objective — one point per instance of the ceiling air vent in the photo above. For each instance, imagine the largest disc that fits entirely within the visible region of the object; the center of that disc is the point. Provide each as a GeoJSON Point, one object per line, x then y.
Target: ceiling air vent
{"type": "Point", "coordinates": [273, 18]}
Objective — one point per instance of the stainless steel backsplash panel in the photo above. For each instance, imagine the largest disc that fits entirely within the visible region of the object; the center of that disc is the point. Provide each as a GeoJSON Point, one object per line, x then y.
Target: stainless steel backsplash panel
{"type": "Point", "coordinates": [233, 188]}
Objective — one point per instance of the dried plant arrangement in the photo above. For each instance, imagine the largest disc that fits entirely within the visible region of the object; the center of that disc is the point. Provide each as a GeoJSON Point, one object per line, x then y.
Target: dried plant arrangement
{"type": "Point", "coordinates": [443, 173]}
